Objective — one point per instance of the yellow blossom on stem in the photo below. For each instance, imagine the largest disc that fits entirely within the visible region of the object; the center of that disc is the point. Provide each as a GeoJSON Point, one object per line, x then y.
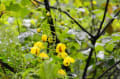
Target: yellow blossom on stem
{"type": "Point", "coordinates": [44, 38]}
{"type": "Point", "coordinates": [48, 14]}
{"type": "Point", "coordinates": [39, 45]}
{"type": "Point", "coordinates": [43, 56]}
{"type": "Point", "coordinates": [60, 48]}
{"type": "Point", "coordinates": [38, 30]}
{"type": "Point", "coordinates": [62, 72]}
{"type": "Point", "coordinates": [62, 55]}
{"type": "Point", "coordinates": [50, 39]}
{"type": "Point", "coordinates": [62, 23]}
{"type": "Point", "coordinates": [35, 50]}
{"type": "Point", "coordinates": [68, 60]}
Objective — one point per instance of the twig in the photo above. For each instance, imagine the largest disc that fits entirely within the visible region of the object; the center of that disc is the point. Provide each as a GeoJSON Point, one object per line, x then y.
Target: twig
{"type": "Point", "coordinates": [65, 12]}
{"type": "Point", "coordinates": [109, 76]}
{"type": "Point", "coordinates": [105, 12]}
{"type": "Point", "coordinates": [93, 20]}
{"type": "Point", "coordinates": [110, 22]}
{"type": "Point", "coordinates": [114, 65]}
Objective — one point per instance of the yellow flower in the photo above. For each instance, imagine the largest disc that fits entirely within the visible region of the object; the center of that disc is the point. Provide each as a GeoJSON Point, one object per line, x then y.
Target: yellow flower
{"type": "Point", "coordinates": [94, 2]}
{"type": "Point", "coordinates": [50, 40]}
{"type": "Point", "coordinates": [60, 48]}
{"type": "Point", "coordinates": [35, 50]}
{"type": "Point", "coordinates": [38, 30]}
{"type": "Point", "coordinates": [43, 55]}
{"type": "Point", "coordinates": [44, 38]}
{"type": "Point", "coordinates": [68, 60]}
{"type": "Point", "coordinates": [72, 60]}
{"type": "Point", "coordinates": [62, 23]}
{"type": "Point", "coordinates": [62, 72]}
{"type": "Point", "coordinates": [62, 55]}
{"type": "Point", "coordinates": [48, 14]}
{"type": "Point", "coordinates": [39, 45]}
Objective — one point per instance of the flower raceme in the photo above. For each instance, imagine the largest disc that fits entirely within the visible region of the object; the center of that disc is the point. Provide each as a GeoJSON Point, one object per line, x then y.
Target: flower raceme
{"type": "Point", "coordinates": [68, 60]}
{"type": "Point", "coordinates": [35, 50]}
{"type": "Point", "coordinates": [62, 72]}
{"type": "Point", "coordinates": [60, 48]}
{"type": "Point", "coordinates": [44, 38]}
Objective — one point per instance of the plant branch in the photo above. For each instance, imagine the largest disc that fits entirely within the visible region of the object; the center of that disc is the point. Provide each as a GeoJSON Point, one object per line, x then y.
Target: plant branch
{"type": "Point", "coordinates": [110, 22]}
{"type": "Point", "coordinates": [114, 65]}
{"type": "Point", "coordinates": [113, 72]}
{"type": "Point", "coordinates": [88, 60]}
{"type": "Point", "coordinates": [93, 19]}
{"type": "Point", "coordinates": [7, 66]}
{"type": "Point", "coordinates": [65, 12]}
{"type": "Point", "coordinates": [50, 21]}
{"type": "Point", "coordinates": [105, 12]}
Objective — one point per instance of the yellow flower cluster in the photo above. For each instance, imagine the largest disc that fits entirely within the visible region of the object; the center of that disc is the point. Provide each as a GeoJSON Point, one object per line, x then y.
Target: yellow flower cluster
{"type": "Point", "coordinates": [62, 72]}
{"type": "Point", "coordinates": [36, 50]}
{"type": "Point", "coordinates": [60, 49]}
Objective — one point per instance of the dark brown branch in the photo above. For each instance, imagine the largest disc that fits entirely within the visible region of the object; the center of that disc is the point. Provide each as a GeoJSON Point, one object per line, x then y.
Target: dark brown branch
{"type": "Point", "coordinates": [114, 65]}
{"type": "Point", "coordinates": [50, 21]}
{"type": "Point", "coordinates": [93, 19]}
{"type": "Point", "coordinates": [7, 66]}
{"type": "Point", "coordinates": [105, 12]}
{"type": "Point", "coordinates": [113, 72]}
{"type": "Point", "coordinates": [65, 12]}
{"type": "Point", "coordinates": [110, 22]}
{"type": "Point", "coordinates": [88, 61]}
